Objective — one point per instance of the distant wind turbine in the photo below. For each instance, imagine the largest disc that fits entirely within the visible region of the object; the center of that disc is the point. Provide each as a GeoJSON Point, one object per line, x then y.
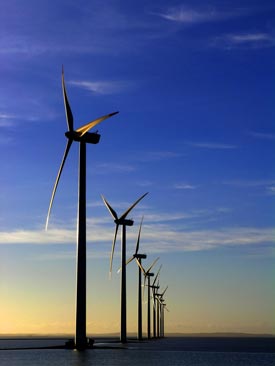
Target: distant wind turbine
{"type": "Point", "coordinates": [148, 275]}
{"type": "Point", "coordinates": [155, 288]}
{"type": "Point", "coordinates": [123, 222]}
{"type": "Point", "coordinates": [161, 311]}
{"type": "Point", "coordinates": [82, 136]}
{"type": "Point", "coordinates": [138, 257]}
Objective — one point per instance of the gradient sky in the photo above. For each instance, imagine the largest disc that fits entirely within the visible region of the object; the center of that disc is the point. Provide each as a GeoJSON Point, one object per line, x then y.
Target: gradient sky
{"type": "Point", "coordinates": [194, 82]}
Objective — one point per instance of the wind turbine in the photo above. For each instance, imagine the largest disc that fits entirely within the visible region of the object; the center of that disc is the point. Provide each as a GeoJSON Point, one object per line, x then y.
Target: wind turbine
{"type": "Point", "coordinates": [161, 312]}
{"type": "Point", "coordinates": [163, 307]}
{"type": "Point", "coordinates": [148, 275]}
{"type": "Point", "coordinates": [154, 288]}
{"type": "Point", "coordinates": [82, 136]}
{"type": "Point", "coordinates": [138, 257]}
{"type": "Point", "coordinates": [123, 222]}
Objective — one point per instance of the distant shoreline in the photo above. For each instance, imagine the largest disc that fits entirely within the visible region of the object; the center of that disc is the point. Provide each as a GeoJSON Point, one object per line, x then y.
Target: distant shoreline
{"type": "Point", "coordinates": [133, 335]}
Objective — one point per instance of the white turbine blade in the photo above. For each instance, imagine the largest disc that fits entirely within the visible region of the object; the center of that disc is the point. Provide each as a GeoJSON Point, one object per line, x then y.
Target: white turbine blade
{"type": "Point", "coordinates": [111, 210]}
{"type": "Point", "coordinates": [158, 299]}
{"type": "Point", "coordinates": [112, 252]}
{"type": "Point", "coordinates": [130, 260]}
{"type": "Point", "coordinates": [69, 115]}
{"type": "Point", "coordinates": [69, 143]}
{"type": "Point", "coordinates": [152, 265]}
{"type": "Point", "coordinates": [84, 129]}
{"type": "Point", "coordinates": [127, 262]}
{"type": "Point", "coordinates": [140, 266]}
{"type": "Point", "coordinates": [123, 216]}
{"type": "Point", "coordinates": [138, 239]}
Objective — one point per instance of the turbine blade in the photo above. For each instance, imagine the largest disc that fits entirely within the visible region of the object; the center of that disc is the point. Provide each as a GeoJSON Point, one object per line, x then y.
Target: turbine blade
{"type": "Point", "coordinates": [164, 291]}
{"type": "Point", "coordinates": [130, 260]}
{"type": "Point", "coordinates": [157, 275]}
{"type": "Point", "coordinates": [140, 266]}
{"type": "Point", "coordinates": [113, 248]}
{"type": "Point", "coordinates": [69, 115]}
{"type": "Point", "coordinates": [111, 210]}
{"type": "Point", "coordinates": [138, 239]}
{"type": "Point", "coordinates": [152, 265]}
{"type": "Point", "coordinates": [123, 216]}
{"type": "Point", "coordinates": [127, 262]}
{"type": "Point", "coordinates": [69, 143]}
{"type": "Point", "coordinates": [82, 130]}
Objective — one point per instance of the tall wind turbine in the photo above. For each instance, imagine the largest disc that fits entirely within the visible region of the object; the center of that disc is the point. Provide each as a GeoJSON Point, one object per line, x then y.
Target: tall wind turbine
{"type": "Point", "coordinates": [148, 275]}
{"type": "Point", "coordinates": [82, 136]}
{"type": "Point", "coordinates": [123, 222]}
{"type": "Point", "coordinates": [138, 257]}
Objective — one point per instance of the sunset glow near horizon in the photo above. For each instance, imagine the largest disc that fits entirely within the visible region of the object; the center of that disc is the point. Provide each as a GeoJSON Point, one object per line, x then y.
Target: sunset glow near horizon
{"type": "Point", "coordinates": [194, 84]}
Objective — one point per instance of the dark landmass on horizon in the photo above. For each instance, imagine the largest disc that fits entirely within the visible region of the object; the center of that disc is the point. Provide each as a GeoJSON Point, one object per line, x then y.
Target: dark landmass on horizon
{"type": "Point", "coordinates": [133, 335]}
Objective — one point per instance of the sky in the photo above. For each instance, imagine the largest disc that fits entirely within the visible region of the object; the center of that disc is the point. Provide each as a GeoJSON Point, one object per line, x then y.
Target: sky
{"type": "Point", "coordinates": [194, 84]}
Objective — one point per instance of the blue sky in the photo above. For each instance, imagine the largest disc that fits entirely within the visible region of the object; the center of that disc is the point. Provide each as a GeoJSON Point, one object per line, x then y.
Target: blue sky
{"type": "Point", "coordinates": [194, 84]}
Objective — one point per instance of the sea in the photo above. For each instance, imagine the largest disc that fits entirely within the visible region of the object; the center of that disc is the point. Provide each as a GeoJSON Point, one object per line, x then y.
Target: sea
{"type": "Point", "coordinates": [168, 351]}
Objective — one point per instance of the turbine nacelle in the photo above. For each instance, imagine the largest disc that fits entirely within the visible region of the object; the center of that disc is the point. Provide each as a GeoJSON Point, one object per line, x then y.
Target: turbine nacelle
{"type": "Point", "coordinates": [155, 287]}
{"type": "Point", "coordinates": [140, 256]}
{"type": "Point", "coordinates": [89, 137]}
{"type": "Point", "coordinates": [124, 222]}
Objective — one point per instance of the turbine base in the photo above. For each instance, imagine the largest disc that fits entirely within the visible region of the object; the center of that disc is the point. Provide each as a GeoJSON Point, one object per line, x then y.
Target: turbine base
{"type": "Point", "coordinates": [70, 344]}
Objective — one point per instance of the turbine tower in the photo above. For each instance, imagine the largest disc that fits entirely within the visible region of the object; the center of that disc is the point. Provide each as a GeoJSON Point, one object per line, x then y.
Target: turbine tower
{"type": "Point", "coordinates": [82, 136]}
{"type": "Point", "coordinates": [148, 275]}
{"type": "Point", "coordinates": [123, 222]}
{"type": "Point", "coordinates": [138, 257]}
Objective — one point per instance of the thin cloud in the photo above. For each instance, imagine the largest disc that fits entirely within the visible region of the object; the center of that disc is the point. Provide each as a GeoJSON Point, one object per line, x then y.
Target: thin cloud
{"type": "Point", "coordinates": [212, 145]}
{"type": "Point", "coordinates": [202, 214]}
{"type": "Point", "coordinates": [265, 186]}
{"type": "Point", "coordinates": [262, 135]}
{"type": "Point", "coordinates": [158, 155]}
{"type": "Point", "coordinates": [159, 238]}
{"type": "Point", "coordinates": [145, 183]}
{"type": "Point", "coordinates": [184, 186]}
{"type": "Point", "coordinates": [251, 40]}
{"type": "Point", "coordinates": [105, 168]}
{"type": "Point", "coordinates": [6, 120]}
{"type": "Point", "coordinates": [172, 240]}
{"type": "Point", "coordinates": [249, 183]}
{"type": "Point", "coordinates": [271, 190]}
{"type": "Point", "coordinates": [164, 217]}
{"type": "Point", "coordinates": [102, 87]}
{"type": "Point", "coordinates": [188, 16]}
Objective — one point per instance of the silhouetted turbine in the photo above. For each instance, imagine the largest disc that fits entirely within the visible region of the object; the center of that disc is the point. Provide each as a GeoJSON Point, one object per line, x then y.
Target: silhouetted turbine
{"type": "Point", "coordinates": [154, 288]}
{"type": "Point", "coordinates": [148, 275]}
{"type": "Point", "coordinates": [82, 136]}
{"type": "Point", "coordinates": [138, 257]}
{"type": "Point", "coordinates": [161, 311]}
{"type": "Point", "coordinates": [123, 222]}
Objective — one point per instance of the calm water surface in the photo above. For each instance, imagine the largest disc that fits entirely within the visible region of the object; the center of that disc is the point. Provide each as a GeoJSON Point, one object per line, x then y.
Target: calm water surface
{"type": "Point", "coordinates": [167, 352]}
